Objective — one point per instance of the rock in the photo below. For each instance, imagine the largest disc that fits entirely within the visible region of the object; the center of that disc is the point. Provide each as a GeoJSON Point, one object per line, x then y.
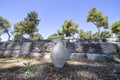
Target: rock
{"type": "Point", "coordinates": [108, 48]}
{"type": "Point", "coordinates": [77, 56]}
{"type": "Point", "coordinates": [97, 56]}
{"type": "Point", "coordinates": [15, 53]}
{"type": "Point", "coordinates": [1, 52]}
{"type": "Point", "coordinates": [92, 48]}
{"type": "Point", "coordinates": [118, 44]}
{"type": "Point", "coordinates": [25, 49]}
{"type": "Point", "coordinates": [87, 47]}
{"type": "Point", "coordinates": [49, 46]}
{"type": "Point", "coordinates": [36, 55]}
{"type": "Point", "coordinates": [70, 46]}
{"type": "Point", "coordinates": [13, 45]}
{"type": "Point", "coordinates": [3, 45]}
{"type": "Point", "coordinates": [38, 47]}
{"type": "Point", "coordinates": [7, 53]}
{"type": "Point", "coordinates": [79, 47]}
{"type": "Point", "coordinates": [47, 56]}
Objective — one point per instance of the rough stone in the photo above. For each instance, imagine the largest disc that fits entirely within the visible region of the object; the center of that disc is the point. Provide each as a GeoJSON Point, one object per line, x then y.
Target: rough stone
{"type": "Point", "coordinates": [92, 48]}
{"type": "Point", "coordinates": [15, 53]}
{"type": "Point", "coordinates": [47, 56]}
{"type": "Point", "coordinates": [7, 53]}
{"type": "Point", "coordinates": [3, 45]}
{"type": "Point", "coordinates": [118, 47]}
{"type": "Point", "coordinates": [97, 56]}
{"type": "Point", "coordinates": [36, 55]}
{"type": "Point", "coordinates": [79, 47]}
{"type": "Point", "coordinates": [77, 56]}
{"type": "Point", "coordinates": [70, 47]}
{"type": "Point", "coordinates": [25, 49]}
{"type": "Point", "coordinates": [38, 47]}
{"type": "Point", "coordinates": [108, 48]}
{"type": "Point", "coordinates": [13, 45]}
{"type": "Point", "coordinates": [49, 47]}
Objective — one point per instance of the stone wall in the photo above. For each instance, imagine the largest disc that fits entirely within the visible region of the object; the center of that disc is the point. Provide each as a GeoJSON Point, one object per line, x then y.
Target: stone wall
{"type": "Point", "coordinates": [42, 49]}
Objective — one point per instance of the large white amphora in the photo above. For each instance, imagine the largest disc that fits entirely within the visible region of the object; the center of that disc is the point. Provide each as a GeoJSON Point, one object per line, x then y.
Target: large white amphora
{"type": "Point", "coordinates": [59, 54]}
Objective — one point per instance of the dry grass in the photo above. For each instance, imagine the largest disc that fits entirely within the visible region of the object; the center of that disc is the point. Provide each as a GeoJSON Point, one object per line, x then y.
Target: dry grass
{"type": "Point", "coordinates": [73, 70]}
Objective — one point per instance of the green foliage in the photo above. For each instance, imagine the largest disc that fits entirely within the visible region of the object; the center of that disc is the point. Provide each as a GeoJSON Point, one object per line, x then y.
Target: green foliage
{"type": "Point", "coordinates": [89, 35]}
{"type": "Point", "coordinates": [4, 26]}
{"type": "Point", "coordinates": [53, 36]}
{"type": "Point", "coordinates": [36, 36]}
{"type": "Point", "coordinates": [27, 26]}
{"type": "Point", "coordinates": [60, 32]}
{"type": "Point", "coordinates": [28, 69]}
{"type": "Point", "coordinates": [69, 27]}
{"type": "Point", "coordinates": [105, 34]}
{"type": "Point", "coordinates": [85, 35]}
{"type": "Point", "coordinates": [96, 17]}
{"type": "Point", "coordinates": [116, 28]}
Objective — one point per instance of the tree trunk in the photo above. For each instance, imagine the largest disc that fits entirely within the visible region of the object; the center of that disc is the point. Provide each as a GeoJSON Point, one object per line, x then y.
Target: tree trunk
{"type": "Point", "coordinates": [99, 33]}
{"type": "Point", "coordinates": [7, 34]}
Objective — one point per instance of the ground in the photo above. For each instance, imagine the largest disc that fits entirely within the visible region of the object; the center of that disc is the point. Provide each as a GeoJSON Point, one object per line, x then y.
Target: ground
{"type": "Point", "coordinates": [73, 70]}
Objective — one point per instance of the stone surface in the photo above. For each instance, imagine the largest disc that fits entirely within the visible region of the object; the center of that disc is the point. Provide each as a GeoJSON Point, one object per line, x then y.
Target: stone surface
{"type": "Point", "coordinates": [49, 47]}
{"type": "Point", "coordinates": [7, 53]}
{"type": "Point", "coordinates": [79, 47]}
{"type": "Point", "coordinates": [47, 56]}
{"type": "Point", "coordinates": [3, 45]}
{"type": "Point", "coordinates": [70, 47]}
{"type": "Point", "coordinates": [15, 53]}
{"type": "Point", "coordinates": [13, 45]}
{"type": "Point", "coordinates": [1, 52]}
{"type": "Point", "coordinates": [38, 47]}
{"type": "Point", "coordinates": [36, 55]}
{"type": "Point", "coordinates": [87, 47]}
{"type": "Point", "coordinates": [97, 56]}
{"type": "Point", "coordinates": [77, 56]}
{"type": "Point", "coordinates": [108, 48]}
{"type": "Point", "coordinates": [92, 48]}
{"type": "Point", "coordinates": [118, 45]}
{"type": "Point", "coordinates": [25, 49]}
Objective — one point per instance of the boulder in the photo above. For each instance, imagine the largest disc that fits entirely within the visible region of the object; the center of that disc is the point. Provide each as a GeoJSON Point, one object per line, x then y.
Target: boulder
{"type": "Point", "coordinates": [7, 53]}
{"type": "Point", "coordinates": [96, 56]}
{"type": "Point", "coordinates": [3, 45]}
{"type": "Point", "coordinates": [108, 48]}
{"type": "Point", "coordinates": [25, 49]}
{"type": "Point", "coordinates": [1, 52]}
{"type": "Point", "coordinates": [79, 47]}
{"type": "Point", "coordinates": [77, 56]}
{"type": "Point", "coordinates": [13, 45]}
{"type": "Point", "coordinates": [47, 56]}
{"type": "Point", "coordinates": [35, 54]}
{"type": "Point", "coordinates": [49, 46]}
{"type": "Point", "coordinates": [38, 47]}
{"type": "Point", "coordinates": [70, 47]}
{"type": "Point", "coordinates": [15, 53]}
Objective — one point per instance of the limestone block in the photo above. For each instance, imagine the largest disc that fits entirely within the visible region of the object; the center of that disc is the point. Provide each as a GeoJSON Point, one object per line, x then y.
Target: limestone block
{"type": "Point", "coordinates": [7, 53]}
{"type": "Point", "coordinates": [70, 47]}
{"type": "Point", "coordinates": [77, 56]}
{"type": "Point", "coordinates": [38, 47]}
{"type": "Point", "coordinates": [36, 55]}
{"type": "Point", "coordinates": [79, 47]}
{"type": "Point", "coordinates": [108, 48]}
{"type": "Point", "coordinates": [25, 49]}
{"type": "Point", "coordinates": [15, 53]}
{"type": "Point", "coordinates": [96, 56]}
{"type": "Point", "coordinates": [13, 45]}
{"type": "Point", "coordinates": [1, 52]}
{"type": "Point", "coordinates": [49, 47]}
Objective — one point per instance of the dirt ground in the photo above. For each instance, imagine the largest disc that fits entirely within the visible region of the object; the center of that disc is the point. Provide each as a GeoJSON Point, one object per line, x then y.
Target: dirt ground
{"type": "Point", "coordinates": [73, 70]}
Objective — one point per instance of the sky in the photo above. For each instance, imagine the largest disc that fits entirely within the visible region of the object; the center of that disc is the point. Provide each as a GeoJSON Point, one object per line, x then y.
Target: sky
{"type": "Point", "coordinates": [53, 13]}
